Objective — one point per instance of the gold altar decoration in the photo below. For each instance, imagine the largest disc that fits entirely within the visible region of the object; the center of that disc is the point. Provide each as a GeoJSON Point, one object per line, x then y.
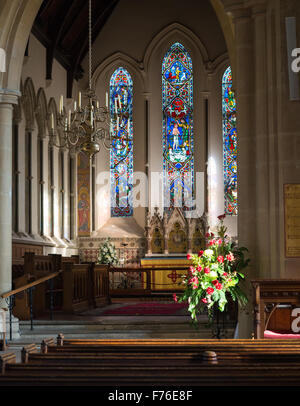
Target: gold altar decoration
{"type": "Point", "coordinates": [292, 220]}
{"type": "Point", "coordinates": [164, 279]}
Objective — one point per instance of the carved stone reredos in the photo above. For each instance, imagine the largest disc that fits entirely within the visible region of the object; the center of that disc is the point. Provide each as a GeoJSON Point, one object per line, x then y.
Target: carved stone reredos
{"type": "Point", "coordinates": [166, 223]}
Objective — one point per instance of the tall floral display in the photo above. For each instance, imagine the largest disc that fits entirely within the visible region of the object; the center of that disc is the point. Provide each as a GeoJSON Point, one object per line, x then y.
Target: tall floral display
{"type": "Point", "coordinates": [215, 275]}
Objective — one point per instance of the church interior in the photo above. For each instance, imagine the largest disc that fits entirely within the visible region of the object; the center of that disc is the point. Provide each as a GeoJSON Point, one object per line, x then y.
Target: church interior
{"type": "Point", "coordinates": [132, 133]}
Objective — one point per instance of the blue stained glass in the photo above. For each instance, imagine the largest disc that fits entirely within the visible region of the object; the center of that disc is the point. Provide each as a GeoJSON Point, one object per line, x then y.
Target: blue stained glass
{"type": "Point", "coordinates": [229, 144]}
{"type": "Point", "coordinates": [177, 104]}
{"type": "Point", "coordinates": [121, 153]}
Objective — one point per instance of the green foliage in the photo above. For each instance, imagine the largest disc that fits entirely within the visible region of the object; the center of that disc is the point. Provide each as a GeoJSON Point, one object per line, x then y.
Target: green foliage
{"type": "Point", "coordinates": [215, 274]}
{"type": "Point", "coordinates": [108, 253]}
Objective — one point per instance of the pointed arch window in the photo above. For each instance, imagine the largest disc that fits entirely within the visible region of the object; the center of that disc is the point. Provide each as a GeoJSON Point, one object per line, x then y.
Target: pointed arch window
{"type": "Point", "coordinates": [121, 153]}
{"type": "Point", "coordinates": [229, 144]}
{"type": "Point", "coordinates": [178, 150]}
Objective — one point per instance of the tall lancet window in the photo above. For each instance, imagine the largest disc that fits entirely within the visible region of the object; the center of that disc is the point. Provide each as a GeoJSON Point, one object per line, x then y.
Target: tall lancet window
{"type": "Point", "coordinates": [121, 153]}
{"type": "Point", "coordinates": [229, 144]}
{"type": "Point", "coordinates": [177, 104]}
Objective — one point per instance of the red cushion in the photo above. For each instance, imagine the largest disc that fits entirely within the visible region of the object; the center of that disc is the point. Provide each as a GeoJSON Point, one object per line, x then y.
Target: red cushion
{"type": "Point", "coordinates": [285, 336]}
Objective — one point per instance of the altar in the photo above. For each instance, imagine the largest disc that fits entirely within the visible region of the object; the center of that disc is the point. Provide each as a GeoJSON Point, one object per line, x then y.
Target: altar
{"type": "Point", "coordinates": [166, 271]}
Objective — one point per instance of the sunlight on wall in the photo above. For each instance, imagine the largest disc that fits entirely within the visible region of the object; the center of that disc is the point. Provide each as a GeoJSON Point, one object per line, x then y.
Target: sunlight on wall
{"type": "Point", "coordinates": [212, 192]}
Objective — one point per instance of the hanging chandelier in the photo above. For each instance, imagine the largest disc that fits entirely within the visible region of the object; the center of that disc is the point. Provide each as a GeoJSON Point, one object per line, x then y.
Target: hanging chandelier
{"type": "Point", "coordinates": [86, 127]}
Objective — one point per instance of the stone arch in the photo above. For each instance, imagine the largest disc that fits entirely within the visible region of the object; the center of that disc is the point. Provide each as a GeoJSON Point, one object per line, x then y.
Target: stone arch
{"type": "Point", "coordinates": [227, 27]}
{"type": "Point", "coordinates": [29, 103]}
{"type": "Point", "coordinates": [105, 69]}
{"type": "Point", "coordinates": [16, 20]}
{"type": "Point", "coordinates": [165, 38]}
{"type": "Point", "coordinates": [41, 113]}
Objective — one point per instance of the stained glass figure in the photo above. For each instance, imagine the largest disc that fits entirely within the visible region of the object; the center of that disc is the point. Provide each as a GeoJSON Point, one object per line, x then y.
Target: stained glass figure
{"type": "Point", "coordinates": [229, 144]}
{"type": "Point", "coordinates": [177, 104]}
{"type": "Point", "coordinates": [121, 153]}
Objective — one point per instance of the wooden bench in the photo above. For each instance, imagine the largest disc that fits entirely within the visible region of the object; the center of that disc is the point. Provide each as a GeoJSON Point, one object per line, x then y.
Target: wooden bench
{"type": "Point", "coordinates": [268, 294]}
{"type": "Point", "coordinates": [157, 362]}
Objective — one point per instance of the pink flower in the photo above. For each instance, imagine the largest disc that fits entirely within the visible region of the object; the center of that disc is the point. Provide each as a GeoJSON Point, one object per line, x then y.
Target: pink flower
{"type": "Point", "coordinates": [211, 242]}
{"type": "Point", "coordinates": [219, 241]}
{"type": "Point", "coordinates": [225, 274]}
{"type": "Point", "coordinates": [212, 235]}
{"type": "Point", "coordinates": [192, 270]}
{"type": "Point", "coordinates": [175, 298]}
{"type": "Point", "coordinates": [230, 257]}
{"type": "Point", "coordinates": [206, 269]}
{"type": "Point", "coordinates": [215, 282]}
{"type": "Point", "coordinates": [200, 253]}
{"type": "Point", "coordinates": [207, 235]}
{"type": "Point", "coordinates": [204, 300]}
{"type": "Point", "coordinates": [218, 286]}
{"type": "Point", "coordinates": [189, 256]}
{"type": "Point", "coordinates": [210, 291]}
{"type": "Point", "coordinates": [199, 268]}
{"type": "Point", "coordinates": [220, 259]}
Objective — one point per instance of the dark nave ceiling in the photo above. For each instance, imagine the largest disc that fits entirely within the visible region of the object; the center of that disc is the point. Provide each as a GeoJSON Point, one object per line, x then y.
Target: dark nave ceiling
{"type": "Point", "coordinates": [62, 27]}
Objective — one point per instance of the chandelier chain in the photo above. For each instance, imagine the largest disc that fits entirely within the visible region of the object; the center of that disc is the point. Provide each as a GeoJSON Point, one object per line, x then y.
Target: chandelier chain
{"type": "Point", "coordinates": [90, 44]}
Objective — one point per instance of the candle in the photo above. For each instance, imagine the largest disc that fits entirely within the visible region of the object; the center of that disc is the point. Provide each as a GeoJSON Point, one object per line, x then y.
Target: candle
{"type": "Point", "coordinates": [52, 121]}
{"type": "Point", "coordinates": [66, 124]}
{"type": "Point", "coordinates": [79, 100]}
{"type": "Point", "coordinates": [75, 105]}
{"type": "Point", "coordinates": [69, 118]}
{"type": "Point", "coordinates": [97, 104]}
{"type": "Point", "coordinates": [92, 116]}
{"type": "Point", "coordinates": [61, 104]}
{"type": "Point", "coordinates": [106, 99]}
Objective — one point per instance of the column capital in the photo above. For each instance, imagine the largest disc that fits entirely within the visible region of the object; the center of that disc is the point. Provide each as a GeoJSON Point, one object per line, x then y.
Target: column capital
{"type": "Point", "coordinates": [242, 9]}
{"type": "Point", "coordinates": [9, 96]}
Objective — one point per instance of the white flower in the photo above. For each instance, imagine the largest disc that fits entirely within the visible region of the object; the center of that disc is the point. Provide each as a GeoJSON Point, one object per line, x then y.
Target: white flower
{"type": "Point", "coordinates": [208, 253]}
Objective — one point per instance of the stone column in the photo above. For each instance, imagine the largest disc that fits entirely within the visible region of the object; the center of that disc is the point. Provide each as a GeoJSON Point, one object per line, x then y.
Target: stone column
{"type": "Point", "coordinates": [7, 99]}
{"type": "Point", "coordinates": [245, 93]}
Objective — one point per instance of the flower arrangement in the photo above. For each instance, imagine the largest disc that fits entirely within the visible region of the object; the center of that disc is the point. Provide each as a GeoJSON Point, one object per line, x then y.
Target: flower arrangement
{"type": "Point", "coordinates": [108, 253]}
{"type": "Point", "coordinates": [215, 274]}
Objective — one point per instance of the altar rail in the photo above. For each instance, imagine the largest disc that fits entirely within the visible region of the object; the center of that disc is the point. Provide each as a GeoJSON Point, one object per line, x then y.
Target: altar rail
{"type": "Point", "coordinates": [145, 281]}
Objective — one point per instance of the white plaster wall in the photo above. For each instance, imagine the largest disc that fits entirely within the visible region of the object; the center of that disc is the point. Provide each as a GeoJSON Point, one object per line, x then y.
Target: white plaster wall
{"type": "Point", "coordinates": [34, 67]}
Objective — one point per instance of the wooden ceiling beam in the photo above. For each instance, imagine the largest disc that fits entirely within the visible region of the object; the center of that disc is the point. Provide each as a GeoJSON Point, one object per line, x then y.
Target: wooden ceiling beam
{"type": "Point", "coordinates": [99, 22]}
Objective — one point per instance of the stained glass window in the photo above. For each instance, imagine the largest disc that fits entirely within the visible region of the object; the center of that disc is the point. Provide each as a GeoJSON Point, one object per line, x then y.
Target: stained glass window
{"type": "Point", "coordinates": [177, 104]}
{"type": "Point", "coordinates": [121, 153]}
{"type": "Point", "coordinates": [229, 144]}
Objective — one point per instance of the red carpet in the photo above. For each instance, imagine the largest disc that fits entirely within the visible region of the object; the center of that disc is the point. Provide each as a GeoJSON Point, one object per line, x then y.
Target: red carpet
{"type": "Point", "coordinates": [143, 309]}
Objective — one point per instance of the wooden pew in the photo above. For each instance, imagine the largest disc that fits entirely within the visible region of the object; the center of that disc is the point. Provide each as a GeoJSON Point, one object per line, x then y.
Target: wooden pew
{"type": "Point", "coordinates": [267, 295]}
{"type": "Point", "coordinates": [180, 368]}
